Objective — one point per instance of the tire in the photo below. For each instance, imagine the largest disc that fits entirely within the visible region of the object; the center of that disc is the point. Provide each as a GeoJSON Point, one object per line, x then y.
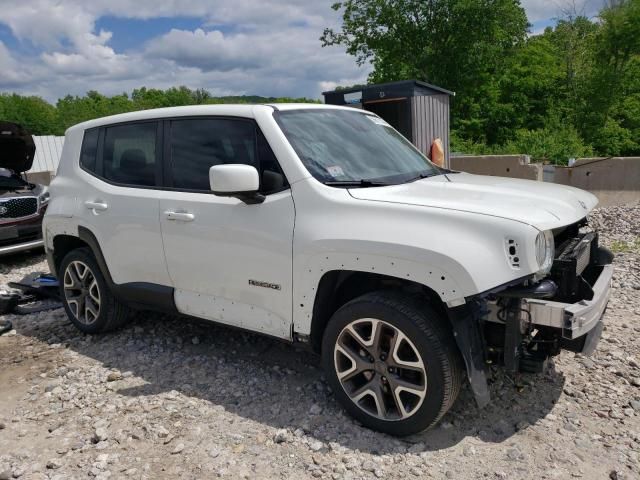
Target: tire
{"type": "Point", "coordinates": [86, 297]}
{"type": "Point", "coordinates": [425, 372]}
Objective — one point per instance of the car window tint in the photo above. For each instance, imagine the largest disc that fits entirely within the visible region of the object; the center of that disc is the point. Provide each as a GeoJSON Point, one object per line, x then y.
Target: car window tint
{"type": "Point", "coordinates": [89, 150]}
{"type": "Point", "coordinates": [197, 145]}
{"type": "Point", "coordinates": [129, 155]}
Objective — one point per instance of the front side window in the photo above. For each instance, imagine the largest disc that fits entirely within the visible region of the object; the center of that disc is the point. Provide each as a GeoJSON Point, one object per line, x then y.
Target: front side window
{"type": "Point", "coordinates": [129, 154]}
{"type": "Point", "coordinates": [198, 144]}
{"type": "Point", "coordinates": [89, 150]}
{"type": "Point", "coordinates": [349, 147]}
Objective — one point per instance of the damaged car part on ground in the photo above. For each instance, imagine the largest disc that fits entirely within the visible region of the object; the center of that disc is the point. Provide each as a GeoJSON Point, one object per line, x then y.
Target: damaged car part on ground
{"type": "Point", "coordinates": [36, 292]}
{"type": "Point", "coordinates": [324, 225]}
{"type": "Point", "coordinates": [22, 204]}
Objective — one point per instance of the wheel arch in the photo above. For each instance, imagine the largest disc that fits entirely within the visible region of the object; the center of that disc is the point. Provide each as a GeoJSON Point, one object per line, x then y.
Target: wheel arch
{"type": "Point", "coordinates": [62, 245]}
{"type": "Point", "coordinates": [65, 242]}
{"type": "Point", "coordinates": [143, 295]}
{"type": "Point", "coordinates": [338, 287]}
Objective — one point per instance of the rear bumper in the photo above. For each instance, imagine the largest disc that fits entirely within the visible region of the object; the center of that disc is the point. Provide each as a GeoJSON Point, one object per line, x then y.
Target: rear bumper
{"type": "Point", "coordinates": [573, 319]}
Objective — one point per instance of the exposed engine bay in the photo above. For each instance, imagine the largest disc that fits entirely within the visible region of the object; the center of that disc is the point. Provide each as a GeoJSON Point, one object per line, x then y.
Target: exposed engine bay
{"type": "Point", "coordinates": [526, 324]}
{"type": "Point", "coordinates": [22, 203]}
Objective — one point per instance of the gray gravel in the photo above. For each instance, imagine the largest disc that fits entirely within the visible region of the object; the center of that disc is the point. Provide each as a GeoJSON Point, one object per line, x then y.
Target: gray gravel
{"type": "Point", "coordinates": [169, 398]}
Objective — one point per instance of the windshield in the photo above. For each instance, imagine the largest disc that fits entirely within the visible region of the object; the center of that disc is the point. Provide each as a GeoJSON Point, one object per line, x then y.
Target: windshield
{"type": "Point", "coordinates": [349, 147]}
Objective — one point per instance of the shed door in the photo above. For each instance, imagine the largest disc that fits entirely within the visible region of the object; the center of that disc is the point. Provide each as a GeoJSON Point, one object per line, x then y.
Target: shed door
{"type": "Point", "coordinates": [395, 111]}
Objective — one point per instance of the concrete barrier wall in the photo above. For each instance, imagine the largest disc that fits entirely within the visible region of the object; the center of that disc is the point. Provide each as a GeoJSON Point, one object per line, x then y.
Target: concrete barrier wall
{"type": "Point", "coordinates": [514, 166]}
{"type": "Point", "coordinates": [615, 181]}
{"type": "Point", "coordinates": [40, 177]}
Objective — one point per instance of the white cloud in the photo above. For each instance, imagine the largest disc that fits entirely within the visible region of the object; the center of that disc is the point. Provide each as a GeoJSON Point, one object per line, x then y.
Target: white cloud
{"type": "Point", "coordinates": [273, 47]}
{"type": "Point", "coordinates": [208, 50]}
{"type": "Point", "coordinates": [10, 71]}
{"type": "Point", "coordinates": [265, 47]}
{"type": "Point", "coordinates": [549, 9]}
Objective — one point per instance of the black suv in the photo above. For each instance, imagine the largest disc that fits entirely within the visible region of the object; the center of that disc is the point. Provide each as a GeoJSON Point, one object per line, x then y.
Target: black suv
{"type": "Point", "coordinates": [22, 204]}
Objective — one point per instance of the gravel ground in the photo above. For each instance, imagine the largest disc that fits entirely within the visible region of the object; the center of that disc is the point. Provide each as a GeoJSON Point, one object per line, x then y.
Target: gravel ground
{"type": "Point", "coordinates": [169, 398]}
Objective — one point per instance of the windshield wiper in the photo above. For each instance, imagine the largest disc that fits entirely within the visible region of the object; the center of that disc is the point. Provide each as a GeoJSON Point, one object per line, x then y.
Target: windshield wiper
{"type": "Point", "coordinates": [423, 175]}
{"type": "Point", "coordinates": [362, 183]}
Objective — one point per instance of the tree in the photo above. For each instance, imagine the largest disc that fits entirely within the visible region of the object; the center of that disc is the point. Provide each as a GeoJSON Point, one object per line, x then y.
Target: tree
{"type": "Point", "coordinates": [458, 44]}
{"type": "Point", "coordinates": [42, 118]}
{"type": "Point", "coordinates": [614, 82]}
{"type": "Point", "coordinates": [33, 113]}
{"type": "Point", "coordinates": [72, 110]}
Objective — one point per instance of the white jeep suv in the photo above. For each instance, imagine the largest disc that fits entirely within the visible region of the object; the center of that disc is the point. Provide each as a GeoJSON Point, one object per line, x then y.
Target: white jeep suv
{"type": "Point", "coordinates": [323, 225]}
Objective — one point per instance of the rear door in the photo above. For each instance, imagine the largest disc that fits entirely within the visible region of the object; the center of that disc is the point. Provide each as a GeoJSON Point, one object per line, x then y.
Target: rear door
{"type": "Point", "coordinates": [228, 261]}
{"type": "Point", "coordinates": [119, 199]}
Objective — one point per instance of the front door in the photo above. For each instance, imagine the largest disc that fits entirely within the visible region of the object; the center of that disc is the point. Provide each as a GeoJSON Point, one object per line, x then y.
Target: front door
{"type": "Point", "coordinates": [228, 261]}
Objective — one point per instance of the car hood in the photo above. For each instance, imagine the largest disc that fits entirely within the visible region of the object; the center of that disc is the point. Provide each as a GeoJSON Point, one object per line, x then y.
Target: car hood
{"type": "Point", "coordinates": [542, 205]}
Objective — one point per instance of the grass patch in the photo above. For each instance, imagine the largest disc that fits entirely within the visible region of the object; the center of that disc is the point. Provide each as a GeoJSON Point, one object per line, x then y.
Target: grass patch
{"type": "Point", "coordinates": [618, 246]}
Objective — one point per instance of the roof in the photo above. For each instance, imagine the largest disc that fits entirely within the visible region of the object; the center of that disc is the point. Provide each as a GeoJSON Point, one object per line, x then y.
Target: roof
{"type": "Point", "coordinates": [308, 106]}
{"type": "Point", "coordinates": [401, 83]}
{"type": "Point", "coordinates": [234, 110]}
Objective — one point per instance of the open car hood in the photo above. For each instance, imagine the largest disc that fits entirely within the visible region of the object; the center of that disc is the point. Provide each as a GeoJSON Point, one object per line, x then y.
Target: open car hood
{"type": "Point", "coordinates": [542, 205]}
{"type": "Point", "coordinates": [16, 147]}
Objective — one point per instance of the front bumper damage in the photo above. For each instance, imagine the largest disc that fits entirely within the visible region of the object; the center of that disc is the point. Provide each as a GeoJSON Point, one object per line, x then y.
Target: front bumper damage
{"type": "Point", "coordinates": [521, 326]}
{"type": "Point", "coordinates": [575, 320]}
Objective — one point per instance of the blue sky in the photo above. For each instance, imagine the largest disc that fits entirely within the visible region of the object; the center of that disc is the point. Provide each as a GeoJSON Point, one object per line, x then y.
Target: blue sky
{"type": "Point", "coordinates": [265, 47]}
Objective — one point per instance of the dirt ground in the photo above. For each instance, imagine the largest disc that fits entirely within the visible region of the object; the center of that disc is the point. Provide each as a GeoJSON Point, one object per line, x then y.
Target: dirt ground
{"type": "Point", "coordinates": [170, 398]}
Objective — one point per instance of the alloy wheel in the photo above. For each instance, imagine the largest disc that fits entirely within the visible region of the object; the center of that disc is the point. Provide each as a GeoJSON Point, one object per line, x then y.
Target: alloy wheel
{"type": "Point", "coordinates": [380, 369]}
{"type": "Point", "coordinates": [82, 292]}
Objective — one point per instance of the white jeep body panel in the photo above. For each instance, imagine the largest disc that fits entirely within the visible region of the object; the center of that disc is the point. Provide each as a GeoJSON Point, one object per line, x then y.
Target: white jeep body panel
{"type": "Point", "coordinates": [449, 233]}
{"type": "Point", "coordinates": [213, 258]}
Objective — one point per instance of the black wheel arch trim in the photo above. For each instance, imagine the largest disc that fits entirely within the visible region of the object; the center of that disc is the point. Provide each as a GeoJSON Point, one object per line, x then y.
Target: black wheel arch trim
{"type": "Point", "coordinates": [145, 295]}
{"type": "Point", "coordinates": [466, 324]}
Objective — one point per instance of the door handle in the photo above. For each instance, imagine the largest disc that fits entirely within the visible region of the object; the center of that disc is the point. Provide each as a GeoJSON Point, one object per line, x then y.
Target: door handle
{"type": "Point", "coordinates": [180, 216]}
{"type": "Point", "coordinates": [96, 206]}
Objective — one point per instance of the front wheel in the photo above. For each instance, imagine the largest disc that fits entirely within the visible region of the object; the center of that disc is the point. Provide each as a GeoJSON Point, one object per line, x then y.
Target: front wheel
{"type": "Point", "coordinates": [392, 362]}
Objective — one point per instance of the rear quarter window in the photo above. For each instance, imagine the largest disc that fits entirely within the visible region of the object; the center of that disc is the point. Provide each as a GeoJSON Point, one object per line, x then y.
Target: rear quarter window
{"type": "Point", "coordinates": [89, 150]}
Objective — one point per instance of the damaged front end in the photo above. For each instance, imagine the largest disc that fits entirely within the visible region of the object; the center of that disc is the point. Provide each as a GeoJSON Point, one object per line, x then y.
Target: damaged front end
{"type": "Point", "coordinates": [521, 326]}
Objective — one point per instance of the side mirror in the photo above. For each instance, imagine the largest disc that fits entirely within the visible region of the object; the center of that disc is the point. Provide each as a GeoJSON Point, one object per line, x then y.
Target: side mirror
{"type": "Point", "coordinates": [236, 180]}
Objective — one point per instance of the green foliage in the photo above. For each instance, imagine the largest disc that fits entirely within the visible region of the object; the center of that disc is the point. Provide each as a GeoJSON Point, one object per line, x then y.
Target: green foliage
{"type": "Point", "coordinates": [619, 246]}
{"type": "Point", "coordinates": [458, 44]}
{"type": "Point", "coordinates": [553, 144]}
{"type": "Point", "coordinates": [570, 91]}
{"type": "Point", "coordinates": [33, 113]}
{"type": "Point", "coordinates": [42, 118]}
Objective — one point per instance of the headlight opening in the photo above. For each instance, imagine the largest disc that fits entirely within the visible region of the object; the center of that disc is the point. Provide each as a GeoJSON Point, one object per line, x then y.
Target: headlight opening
{"type": "Point", "coordinates": [545, 251]}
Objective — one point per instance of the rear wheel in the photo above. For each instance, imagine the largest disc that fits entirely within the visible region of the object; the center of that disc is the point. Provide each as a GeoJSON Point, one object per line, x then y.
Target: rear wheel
{"type": "Point", "coordinates": [89, 303]}
{"type": "Point", "coordinates": [392, 362]}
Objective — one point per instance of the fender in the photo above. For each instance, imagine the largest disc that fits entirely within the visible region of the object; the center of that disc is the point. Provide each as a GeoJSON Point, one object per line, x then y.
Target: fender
{"type": "Point", "coordinates": [444, 276]}
{"type": "Point", "coordinates": [148, 296]}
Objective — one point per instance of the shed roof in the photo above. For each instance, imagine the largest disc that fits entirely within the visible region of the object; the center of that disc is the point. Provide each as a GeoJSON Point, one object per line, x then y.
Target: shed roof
{"type": "Point", "coordinates": [408, 84]}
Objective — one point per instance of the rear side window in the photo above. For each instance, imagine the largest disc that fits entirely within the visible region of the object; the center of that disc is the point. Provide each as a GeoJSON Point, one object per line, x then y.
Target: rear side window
{"type": "Point", "coordinates": [89, 150]}
{"type": "Point", "coordinates": [197, 145]}
{"type": "Point", "coordinates": [129, 154]}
